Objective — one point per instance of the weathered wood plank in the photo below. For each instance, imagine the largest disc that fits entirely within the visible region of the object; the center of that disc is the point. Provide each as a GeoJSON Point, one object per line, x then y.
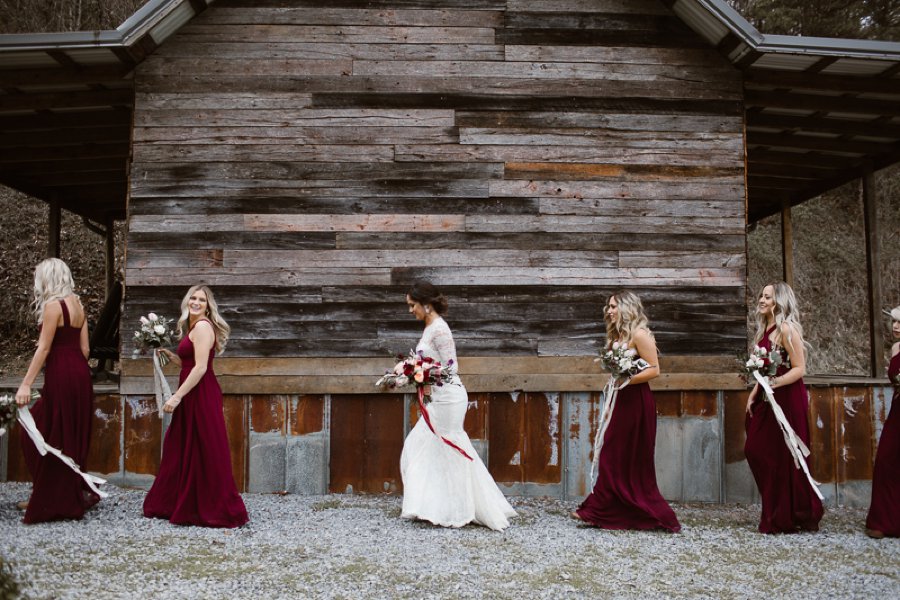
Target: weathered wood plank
{"type": "Point", "coordinates": [618, 54]}
{"type": "Point", "coordinates": [602, 225]}
{"type": "Point", "coordinates": [586, 154]}
{"type": "Point", "coordinates": [354, 222]}
{"type": "Point", "coordinates": [254, 276]}
{"type": "Point", "coordinates": [219, 188]}
{"type": "Point", "coordinates": [599, 120]}
{"type": "Point", "coordinates": [297, 135]}
{"type": "Point", "coordinates": [211, 67]}
{"type": "Point", "coordinates": [204, 100]}
{"type": "Point", "coordinates": [721, 188]}
{"type": "Point", "coordinates": [660, 141]}
{"type": "Point", "coordinates": [294, 117]}
{"type": "Point", "coordinates": [639, 7]}
{"type": "Point", "coordinates": [286, 150]}
{"type": "Point", "coordinates": [634, 103]}
{"type": "Point", "coordinates": [566, 276]}
{"type": "Point", "coordinates": [603, 171]}
{"type": "Point", "coordinates": [297, 49]}
{"type": "Point", "coordinates": [350, 34]}
{"type": "Point", "coordinates": [290, 15]}
{"type": "Point", "coordinates": [638, 209]}
{"type": "Point", "coordinates": [159, 240]}
{"type": "Point", "coordinates": [643, 258]}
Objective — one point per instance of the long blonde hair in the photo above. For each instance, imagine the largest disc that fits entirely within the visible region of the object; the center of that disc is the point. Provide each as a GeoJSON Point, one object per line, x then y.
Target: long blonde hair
{"type": "Point", "coordinates": [785, 310]}
{"type": "Point", "coordinates": [52, 281]}
{"type": "Point", "coordinates": [630, 317]}
{"type": "Point", "coordinates": [212, 313]}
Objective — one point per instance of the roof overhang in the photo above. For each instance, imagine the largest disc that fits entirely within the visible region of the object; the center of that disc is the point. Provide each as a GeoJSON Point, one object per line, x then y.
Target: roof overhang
{"type": "Point", "coordinates": [819, 112]}
{"type": "Point", "coordinates": [66, 108]}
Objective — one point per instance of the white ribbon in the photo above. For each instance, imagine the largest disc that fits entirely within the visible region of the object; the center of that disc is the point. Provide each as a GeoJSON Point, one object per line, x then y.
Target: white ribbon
{"type": "Point", "coordinates": [27, 422]}
{"type": "Point", "coordinates": [795, 445]}
{"type": "Point", "coordinates": [610, 393]}
{"type": "Point", "coordinates": [161, 388]}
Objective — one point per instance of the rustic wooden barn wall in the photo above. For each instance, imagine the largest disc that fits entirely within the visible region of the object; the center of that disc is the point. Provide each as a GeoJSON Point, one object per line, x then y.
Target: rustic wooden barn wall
{"type": "Point", "coordinates": [311, 159]}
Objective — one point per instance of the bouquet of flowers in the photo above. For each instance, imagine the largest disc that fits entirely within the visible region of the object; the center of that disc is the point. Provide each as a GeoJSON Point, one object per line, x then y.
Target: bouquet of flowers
{"type": "Point", "coordinates": [766, 362]}
{"type": "Point", "coordinates": [620, 360]}
{"type": "Point", "coordinates": [418, 370]}
{"type": "Point", "coordinates": [9, 410]}
{"type": "Point", "coordinates": [155, 332]}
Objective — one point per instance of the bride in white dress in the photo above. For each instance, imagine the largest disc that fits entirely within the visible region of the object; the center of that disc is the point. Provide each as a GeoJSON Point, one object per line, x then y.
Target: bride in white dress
{"type": "Point", "coordinates": [441, 485]}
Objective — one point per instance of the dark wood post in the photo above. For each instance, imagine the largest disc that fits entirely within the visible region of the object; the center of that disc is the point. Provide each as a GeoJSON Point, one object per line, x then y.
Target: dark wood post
{"type": "Point", "coordinates": [787, 245]}
{"type": "Point", "coordinates": [110, 254]}
{"type": "Point", "coordinates": [873, 270]}
{"type": "Point", "coordinates": [54, 225]}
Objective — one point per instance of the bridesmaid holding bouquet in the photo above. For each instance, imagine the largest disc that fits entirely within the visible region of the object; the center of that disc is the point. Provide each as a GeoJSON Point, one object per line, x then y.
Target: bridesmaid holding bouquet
{"type": "Point", "coordinates": [63, 412]}
{"type": "Point", "coordinates": [789, 503]}
{"type": "Point", "coordinates": [195, 485]}
{"type": "Point", "coordinates": [884, 511]}
{"type": "Point", "coordinates": [626, 495]}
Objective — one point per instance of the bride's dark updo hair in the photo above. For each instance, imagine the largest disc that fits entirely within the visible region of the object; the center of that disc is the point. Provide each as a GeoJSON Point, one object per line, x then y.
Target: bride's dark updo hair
{"type": "Point", "coordinates": [425, 293]}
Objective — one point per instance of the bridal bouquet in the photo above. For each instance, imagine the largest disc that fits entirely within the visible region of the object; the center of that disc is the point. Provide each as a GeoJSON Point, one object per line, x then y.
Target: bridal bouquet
{"type": "Point", "coordinates": [765, 362]}
{"type": "Point", "coordinates": [621, 361]}
{"type": "Point", "coordinates": [9, 410]}
{"type": "Point", "coordinates": [418, 370]}
{"type": "Point", "coordinates": [155, 332]}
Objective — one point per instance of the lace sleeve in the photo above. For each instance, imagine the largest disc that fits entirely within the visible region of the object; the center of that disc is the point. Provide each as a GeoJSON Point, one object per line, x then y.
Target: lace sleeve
{"type": "Point", "coordinates": [442, 340]}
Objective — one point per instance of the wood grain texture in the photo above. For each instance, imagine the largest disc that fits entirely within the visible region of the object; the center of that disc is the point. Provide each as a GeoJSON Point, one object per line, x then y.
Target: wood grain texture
{"type": "Point", "coordinates": [312, 159]}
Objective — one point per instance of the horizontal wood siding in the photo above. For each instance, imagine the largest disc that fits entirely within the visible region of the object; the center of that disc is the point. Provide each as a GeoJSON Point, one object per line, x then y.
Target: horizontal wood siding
{"type": "Point", "coordinates": [312, 159]}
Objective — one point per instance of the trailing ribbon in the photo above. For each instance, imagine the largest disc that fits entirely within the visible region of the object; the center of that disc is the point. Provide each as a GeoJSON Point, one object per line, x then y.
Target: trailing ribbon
{"type": "Point", "coordinates": [424, 411]}
{"type": "Point", "coordinates": [27, 422]}
{"type": "Point", "coordinates": [795, 445]}
{"type": "Point", "coordinates": [610, 393]}
{"type": "Point", "coordinates": [161, 388]}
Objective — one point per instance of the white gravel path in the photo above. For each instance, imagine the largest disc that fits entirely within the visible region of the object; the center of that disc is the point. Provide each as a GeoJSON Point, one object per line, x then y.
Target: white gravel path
{"type": "Point", "coordinates": [341, 546]}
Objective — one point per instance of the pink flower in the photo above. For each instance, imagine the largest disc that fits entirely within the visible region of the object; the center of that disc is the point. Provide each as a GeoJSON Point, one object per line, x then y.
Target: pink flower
{"type": "Point", "coordinates": [419, 376]}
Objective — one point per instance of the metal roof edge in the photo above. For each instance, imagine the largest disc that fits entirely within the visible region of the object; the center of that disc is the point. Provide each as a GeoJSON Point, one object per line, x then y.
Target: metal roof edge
{"type": "Point", "coordinates": [138, 24]}
{"type": "Point", "coordinates": [820, 46]}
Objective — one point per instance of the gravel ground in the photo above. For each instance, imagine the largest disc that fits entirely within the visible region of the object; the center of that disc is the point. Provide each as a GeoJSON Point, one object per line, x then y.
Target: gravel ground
{"type": "Point", "coordinates": [342, 546]}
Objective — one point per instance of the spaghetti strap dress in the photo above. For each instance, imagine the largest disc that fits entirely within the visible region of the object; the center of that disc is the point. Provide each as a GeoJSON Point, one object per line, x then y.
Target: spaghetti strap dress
{"type": "Point", "coordinates": [63, 416]}
{"type": "Point", "coordinates": [789, 504]}
{"type": "Point", "coordinates": [195, 484]}
{"type": "Point", "coordinates": [884, 511]}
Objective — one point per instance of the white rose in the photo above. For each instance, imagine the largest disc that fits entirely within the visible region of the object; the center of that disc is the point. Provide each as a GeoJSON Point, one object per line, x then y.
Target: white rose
{"type": "Point", "coordinates": [630, 352]}
{"type": "Point", "coordinates": [615, 346]}
{"type": "Point", "coordinates": [152, 316]}
{"type": "Point", "coordinates": [159, 329]}
{"type": "Point", "coordinates": [144, 321]}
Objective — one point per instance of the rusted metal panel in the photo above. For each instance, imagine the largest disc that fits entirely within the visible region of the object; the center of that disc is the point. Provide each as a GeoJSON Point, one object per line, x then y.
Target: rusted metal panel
{"type": "Point", "coordinates": [104, 453]}
{"type": "Point", "coordinates": [583, 420]}
{"type": "Point", "coordinates": [735, 409]}
{"type": "Point", "coordinates": [822, 447]}
{"type": "Point", "coordinates": [698, 403]}
{"type": "Point", "coordinates": [524, 437]}
{"type": "Point", "coordinates": [668, 404]}
{"type": "Point", "coordinates": [854, 433]}
{"type": "Point", "coordinates": [267, 414]}
{"type": "Point", "coordinates": [307, 414]}
{"type": "Point", "coordinates": [236, 425]}
{"type": "Point", "coordinates": [143, 435]}
{"type": "Point", "coordinates": [476, 416]}
{"type": "Point", "coordinates": [366, 441]}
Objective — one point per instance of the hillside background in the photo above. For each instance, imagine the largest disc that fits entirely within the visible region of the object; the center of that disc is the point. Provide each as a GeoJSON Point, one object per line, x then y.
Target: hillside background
{"type": "Point", "coordinates": [829, 247]}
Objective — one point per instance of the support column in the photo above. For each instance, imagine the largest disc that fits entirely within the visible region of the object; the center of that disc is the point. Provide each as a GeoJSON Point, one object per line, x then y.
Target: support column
{"type": "Point", "coordinates": [110, 255]}
{"type": "Point", "coordinates": [54, 226]}
{"type": "Point", "coordinates": [873, 269]}
{"type": "Point", "coordinates": [787, 245]}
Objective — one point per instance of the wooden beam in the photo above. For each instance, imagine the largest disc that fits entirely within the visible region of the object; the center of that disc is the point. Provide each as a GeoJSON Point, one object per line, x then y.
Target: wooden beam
{"type": "Point", "coordinates": [873, 269]}
{"type": "Point", "coordinates": [787, 245]}
{"type": "Point", "coordinates": [54, 225]}
{"type": "Point", "coordinates": [818, 81]}
{"type": "Point", "coordinates": [55, 100]}
{"type": "Point", "coordinates": [808, 142]}
{"type": "Point", "coordinates": [827, 125]}
{"type": "Point", "coordinates": [110, 248]}
{"type": "Point", "coordinates": [781, 99]}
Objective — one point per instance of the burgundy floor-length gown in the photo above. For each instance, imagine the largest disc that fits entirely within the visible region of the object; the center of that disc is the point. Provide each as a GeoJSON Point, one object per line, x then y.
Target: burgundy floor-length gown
{"type": "Point", "coordinates": [63, 416]}
{"type": "Point", "coordinates": [884, 512]}
{"type": "Point", "coordinates": [195, 485]}
{"type": "Point", "coordinates": [626, 495]}
{"type": "Point", "coordinates": [789, 504]}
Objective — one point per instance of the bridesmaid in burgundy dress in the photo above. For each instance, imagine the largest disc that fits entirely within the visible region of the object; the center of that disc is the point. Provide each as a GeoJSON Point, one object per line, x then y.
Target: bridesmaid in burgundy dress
{"type": "Point", "coordinates": [884, 511]}
{"type": "Point", "coordinates": [195, 485]}
{"type": "Point", "coordinates": [789, 504]}
{"type": "Point", "coordinates": [63, 412]}
{"type": "Point", "coordinates": [626, 495]}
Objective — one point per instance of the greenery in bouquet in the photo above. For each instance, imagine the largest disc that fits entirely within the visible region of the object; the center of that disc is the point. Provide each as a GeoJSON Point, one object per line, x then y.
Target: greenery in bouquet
{"type": "Point", "coordinates": [621, 361]}
{"type": "Point", "coordinates": [766, 362]}
{"type": "Point", "coordinates": [9, 410]}
{"type": "Point", "coordinates": [417, 370]}
{"type": "Point", "coordinates": [155, 332]}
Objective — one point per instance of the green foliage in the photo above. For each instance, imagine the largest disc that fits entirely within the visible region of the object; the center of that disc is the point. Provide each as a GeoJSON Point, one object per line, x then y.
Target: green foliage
{"type": "Point", "coordinates": [9, 587]}
{"type": "Point", "coordinates": [863, 19]}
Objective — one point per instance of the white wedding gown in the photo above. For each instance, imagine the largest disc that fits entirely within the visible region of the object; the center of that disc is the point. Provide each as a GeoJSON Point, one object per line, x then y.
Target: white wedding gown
{"type": "Point", "coordinates": [441, 485]}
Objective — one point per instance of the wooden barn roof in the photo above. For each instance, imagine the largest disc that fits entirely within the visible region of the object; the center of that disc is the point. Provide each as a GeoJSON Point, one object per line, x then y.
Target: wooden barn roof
{"type": "Point", "coordinates": [820, 112]}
